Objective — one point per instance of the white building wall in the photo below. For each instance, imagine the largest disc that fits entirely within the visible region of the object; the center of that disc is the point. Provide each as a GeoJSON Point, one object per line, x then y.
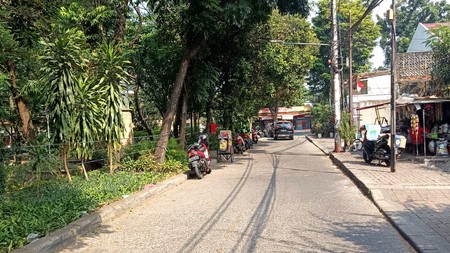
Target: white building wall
{"type": "Point", "coordinates": [379, 91]}
{"type": "Point", "coordinates": [379, 85]}
{"type": "Point", "coordinates": [418, 42]}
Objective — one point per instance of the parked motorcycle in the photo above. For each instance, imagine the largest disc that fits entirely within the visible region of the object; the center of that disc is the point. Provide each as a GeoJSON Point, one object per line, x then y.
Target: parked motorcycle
{"type": "Point", "coordinates": [255, 136]}
{"type": "Point", "coordinates": [247, 141]}
{"type": "Point", "coordinates": [239, 146]}
{"type": "Point", "coordinates": [199, 160]}
{"type": "Point", "coordinates": [380, 148]}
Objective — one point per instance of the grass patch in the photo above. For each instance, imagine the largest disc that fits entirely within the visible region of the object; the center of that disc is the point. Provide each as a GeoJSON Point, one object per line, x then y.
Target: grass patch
{"type": "Point", "coordinates": [42, 207]}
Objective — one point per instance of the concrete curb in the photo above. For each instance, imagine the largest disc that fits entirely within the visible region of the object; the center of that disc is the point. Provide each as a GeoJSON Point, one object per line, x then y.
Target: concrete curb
{"type": "Point", "coordinates": [317, 145]}
{"type": "Point", "coordinates": [68, 234]}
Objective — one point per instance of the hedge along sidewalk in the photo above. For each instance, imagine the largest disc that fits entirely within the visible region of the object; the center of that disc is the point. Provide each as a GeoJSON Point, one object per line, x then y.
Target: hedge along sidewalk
{"type": "Point", "coordinates": [69, 234]}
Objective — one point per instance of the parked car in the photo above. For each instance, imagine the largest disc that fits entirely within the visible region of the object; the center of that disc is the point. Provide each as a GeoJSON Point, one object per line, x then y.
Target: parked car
{"type": "Point", "coordinates": [283, 129]}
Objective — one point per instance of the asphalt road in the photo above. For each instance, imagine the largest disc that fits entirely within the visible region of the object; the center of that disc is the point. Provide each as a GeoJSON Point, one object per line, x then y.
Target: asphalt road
{"type": "Point", "coordinates": [281, 196]}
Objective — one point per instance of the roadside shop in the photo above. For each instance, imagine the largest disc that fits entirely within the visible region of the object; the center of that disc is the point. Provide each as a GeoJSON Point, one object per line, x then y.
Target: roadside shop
{"type": "Point", "coordinates": [425, 122]}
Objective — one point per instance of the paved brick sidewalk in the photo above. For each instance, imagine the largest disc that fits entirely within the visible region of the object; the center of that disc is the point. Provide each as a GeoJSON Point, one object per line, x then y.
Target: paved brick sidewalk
{"type": "Point", "coordinates": [415, 198]}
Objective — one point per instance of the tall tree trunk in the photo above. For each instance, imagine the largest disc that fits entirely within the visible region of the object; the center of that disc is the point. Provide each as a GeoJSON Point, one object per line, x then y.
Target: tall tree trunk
{"type": "Point", "coordinates": [177, 121]}
{"type": "Point", "coordinates": [196, 126]}
{"type": "Point", "coordinates": [24, 113]}
{"type": "Point", "coordinates": [274, 111]}
{"type": "Point", "coordinates": [191, 121]}
{"type": "Point", "coordinates": [161, 146]}
{"type": "Point", "coordinates": [83, 161]}
{"type": "Point", "coordinates": [139, 28]}
{"type": "Point", "coordinates": [184, 109]}
{"type": "Point", "coordinates": [66, 167]}
{"type": "Point", "coordinates": [139, 111]}
{"type": "Point", "coordinates": [120, 22]}
{"type": "Point", "coordinates": [110, 156]}
{"type": "Point", "coordinates": [209, 112]}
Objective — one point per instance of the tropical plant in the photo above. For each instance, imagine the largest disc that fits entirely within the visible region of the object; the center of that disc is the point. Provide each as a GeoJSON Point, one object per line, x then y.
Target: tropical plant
{"type": "Point", "coordinates": [441, 56]}
{"type": "Point", "coordinates": [111, 70]}
{"type": "Point", "coordinates": [346, 129]}
{"type": "Point", "coordinates": [87, 123]}
{"type": "Point", "coordinates": [408, 15]}
{"type": "Point", "coordinates": [63, 61]}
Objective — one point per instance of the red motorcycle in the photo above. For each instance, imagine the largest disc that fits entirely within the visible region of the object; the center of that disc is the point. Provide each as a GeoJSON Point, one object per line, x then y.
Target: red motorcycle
{"type": "Point", "coordinates": [239, 146]}
{"type": "Point", "coordinates": [199, 160]}
{"type": "Point", "coordinates": [255, 136]}
{"type": "Point", "coordinates": [247, 141]}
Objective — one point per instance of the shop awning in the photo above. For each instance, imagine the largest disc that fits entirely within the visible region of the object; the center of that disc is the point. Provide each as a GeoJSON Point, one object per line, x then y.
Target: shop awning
{"type": "Point", "coordinates": [425, 101]}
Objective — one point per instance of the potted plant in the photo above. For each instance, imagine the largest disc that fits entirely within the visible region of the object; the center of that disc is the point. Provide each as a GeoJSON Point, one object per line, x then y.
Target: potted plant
{"type": "Point", "coordinates": [346, 129]}
{"type": "Point", "coordinates": [318, 129]}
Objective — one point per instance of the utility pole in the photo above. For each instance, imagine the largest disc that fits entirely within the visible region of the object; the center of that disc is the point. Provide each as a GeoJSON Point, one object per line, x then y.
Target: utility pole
{"type": "Point", "coordinates": [350, 69]}
{"type": "Point", "coordinates": [391, 17]}
{"type": "Point", "coordinates": [336, 77]}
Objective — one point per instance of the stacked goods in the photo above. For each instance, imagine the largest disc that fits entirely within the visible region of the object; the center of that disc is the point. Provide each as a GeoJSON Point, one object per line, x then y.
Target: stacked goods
{"type": "Point", "coordinates": [414, 123]}
{"type": "Point", "coordinates": [441, 148]}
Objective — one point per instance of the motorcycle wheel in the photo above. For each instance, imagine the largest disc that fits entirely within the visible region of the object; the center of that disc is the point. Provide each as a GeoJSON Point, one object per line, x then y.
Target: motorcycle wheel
{"type": "Point", "coordinates": [388, 161]}
{"type": "Point", "coordinates": [208, 171]}
{"type": "Point", "coordinates": [366, 156]}
{"type": "Point", "coordinates": [198, 173]}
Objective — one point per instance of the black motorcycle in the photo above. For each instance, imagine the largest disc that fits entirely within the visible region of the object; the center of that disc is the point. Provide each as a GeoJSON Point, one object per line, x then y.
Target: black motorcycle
{"type": "Point", "coordinates": [380, 148]}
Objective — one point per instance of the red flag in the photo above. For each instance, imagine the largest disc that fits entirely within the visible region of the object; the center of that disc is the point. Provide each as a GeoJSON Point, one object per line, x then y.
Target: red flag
{"type": "Point", "coordinates": [360, 86]}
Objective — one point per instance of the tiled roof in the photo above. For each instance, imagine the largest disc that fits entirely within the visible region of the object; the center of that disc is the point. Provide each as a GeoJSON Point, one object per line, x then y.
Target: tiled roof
{"type": "Point", "coordinates": [436, 25]}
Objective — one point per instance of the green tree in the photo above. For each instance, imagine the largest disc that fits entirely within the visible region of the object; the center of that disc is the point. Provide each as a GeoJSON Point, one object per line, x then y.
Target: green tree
{"type": "Point", "coordinates": [300, 7]}
{"type": "Point", "coordinates": [285, 67]}
{"type": "Point", "coordinates": [409, 13]}
{"type": "Point", "coordinates": [63, 61]}
{"type": "Point", "coordinates": [111, 70]}
{"type": "Point", "coordinates": [364, 41]}
{"type": "Point", "coordinates": [440, 45]}
{"type": "Point", "coordinates": [202, 19]}
{"type": "Point", "coordinates": [94, 18]}
{"type": "Point", "coordinates": [87, 118]}
{"type": "Point", "coordinates": [22, 24]}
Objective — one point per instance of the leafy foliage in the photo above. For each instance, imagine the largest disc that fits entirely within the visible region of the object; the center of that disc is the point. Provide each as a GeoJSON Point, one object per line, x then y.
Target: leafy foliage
{"type": "Point", "coordinates": [112, 66]}
{"type": "Point", "coordinates": [441, 56]}
{"type": "Point", "coordinates": [294, 7]}
{"type": "Point", "coordinates": [321, 114]}
{"type": "Point", "coordinates": [58, 203]}
{"type": "Point", "coordinates": [285, 67]}
{"type": "Point", "coordinates": [64, 62]}
{"type": "Point", "coordinates": [409, 13]}
{"type": "Point", "coordinates": [87, 114]}
{"type": "Point", "coordinates": [364, 41]}
{"type": "Point", "coordinates": [346, 130]}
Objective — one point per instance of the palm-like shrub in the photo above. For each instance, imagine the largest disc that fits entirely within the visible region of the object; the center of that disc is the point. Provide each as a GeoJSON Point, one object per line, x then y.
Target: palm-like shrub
{"type": "Point", "coordinates": [111, 64]}
{"type": "Point", "coordinates": [63, 61]}
{"type": "Point", "coordinates": [346, 129]}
